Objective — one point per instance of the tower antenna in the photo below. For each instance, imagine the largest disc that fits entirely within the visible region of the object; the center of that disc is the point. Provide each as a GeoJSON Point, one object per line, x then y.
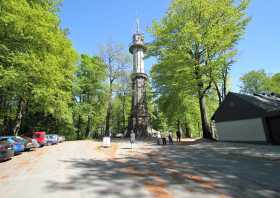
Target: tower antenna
{"type": "Point", "coordinates": [137, 25]}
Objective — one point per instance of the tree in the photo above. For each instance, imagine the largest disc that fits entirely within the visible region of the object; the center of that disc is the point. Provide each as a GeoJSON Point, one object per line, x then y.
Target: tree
{"type": "Point", "coordinates": [124, 93]}
{"type": "Point", "coordinates": [36, 64]}
{"type": "Point", "coordinates": [221, 83]}
{"type": "Point", "coordinates": [275, 84]}
{"type": "Point", "coordinates": [89, 94]}
{"type": "Point", "coordinates": [179, 108]}
{"type": "Point", "coordinates": [192, 41]}
{"type": "Point", "coordinates": [255, 82]}
{"type": "Point", "coordinates": [116, 61]}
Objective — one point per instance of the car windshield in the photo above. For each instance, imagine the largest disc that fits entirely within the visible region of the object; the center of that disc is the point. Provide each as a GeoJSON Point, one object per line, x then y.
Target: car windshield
{"type": "Point", "coordinates": [20, 139]}
{"type": "Point", "coordinates": [16, 139]}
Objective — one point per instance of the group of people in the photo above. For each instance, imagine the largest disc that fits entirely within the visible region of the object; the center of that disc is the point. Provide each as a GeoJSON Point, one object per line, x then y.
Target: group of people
{"type": "Point", "coordinates": [161, 139]}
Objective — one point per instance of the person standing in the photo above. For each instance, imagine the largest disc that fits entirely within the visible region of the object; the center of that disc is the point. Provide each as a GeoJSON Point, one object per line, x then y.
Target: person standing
{"type": "Point", "coordinates": [159, 140]}
{"type": "Point", "coordinates": [132, 138]}
{"type": "Point", "coordinates": [170, 140]}
{"type": "Point", "coordinates": [163, 139]}
{"type": "Point", "coordinates": [178, 134]}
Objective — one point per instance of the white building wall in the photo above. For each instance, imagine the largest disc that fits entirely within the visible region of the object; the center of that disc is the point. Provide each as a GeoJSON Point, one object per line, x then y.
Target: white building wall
{"type": "Point", "coordinates": [241, 130]}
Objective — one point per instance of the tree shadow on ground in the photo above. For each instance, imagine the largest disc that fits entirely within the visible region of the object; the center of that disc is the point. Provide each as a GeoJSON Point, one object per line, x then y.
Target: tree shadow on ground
{"type": "Point", "coordinates": [174, 171]}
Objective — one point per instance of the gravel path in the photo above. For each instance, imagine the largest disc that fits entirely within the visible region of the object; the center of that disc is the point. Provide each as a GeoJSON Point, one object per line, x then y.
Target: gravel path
{"type": "Point", "coordinates": [193, 169]}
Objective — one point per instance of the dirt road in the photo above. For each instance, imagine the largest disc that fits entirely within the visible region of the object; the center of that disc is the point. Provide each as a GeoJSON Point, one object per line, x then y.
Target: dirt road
{"type": "Point", "coordinates": [85, 169]}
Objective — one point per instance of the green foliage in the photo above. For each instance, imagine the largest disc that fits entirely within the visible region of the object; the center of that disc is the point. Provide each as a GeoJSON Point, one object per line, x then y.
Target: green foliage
{"type": "Point", "coordinates": [90, 96]}
{"type": "Point", "coordinates": [260, 82]}
{"type": "Point", "coordinates": [159, 121]}
{"type": "Point", "coordinates": [120, 113]}
{"type": "Point", "coordinates": [255, 82]}
{"type": "Point", "coordinates": [41, 85]}
{"type": "Point", "coordinates": [193, 43]}
{"type": "Point", "coordinates": [37, 65]}
{"type": "Point", "coordinates": [196, 36]}
{"type": "Point", "coordinates": [274, 84]}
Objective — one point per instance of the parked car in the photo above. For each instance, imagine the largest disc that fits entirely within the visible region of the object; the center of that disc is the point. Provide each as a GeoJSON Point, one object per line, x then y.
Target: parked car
{"type": "Point", "coordinates": [6, 151]}
{"type": "Point", "coordinates": [28, 143]}
{"type": "Point", "coordinates": [40, 137]}
{"type": "Point", "coordinates": [61, 138]}
{"type": "Point", "coordinates": [17, 145]}
{"type": "Point", "coordinates": [34, 142]}
{"type": "Point", "coordinates": [51, 139]}
{"type": "Point", "coordinates": [31, 140]}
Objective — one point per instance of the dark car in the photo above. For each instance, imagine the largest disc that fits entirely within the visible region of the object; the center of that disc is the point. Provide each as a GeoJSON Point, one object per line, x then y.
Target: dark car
{"type": "Point", "coordinates": [6, 151]}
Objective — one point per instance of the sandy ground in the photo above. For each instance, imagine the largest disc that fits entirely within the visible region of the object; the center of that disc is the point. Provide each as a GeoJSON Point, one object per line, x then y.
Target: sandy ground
{"type": "Point", "coordinates": [191, 169]}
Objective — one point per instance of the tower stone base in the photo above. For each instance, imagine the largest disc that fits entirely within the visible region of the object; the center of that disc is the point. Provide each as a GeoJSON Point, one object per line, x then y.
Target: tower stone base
{"type": "Point", "coordinates": [139, 119]}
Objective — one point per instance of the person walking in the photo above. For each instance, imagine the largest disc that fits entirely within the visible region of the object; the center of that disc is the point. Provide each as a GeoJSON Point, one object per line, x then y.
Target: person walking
{"type": "Point", "coordinates": [178, 134]}
{"type": "Point", "coordinates": [170, 140]}
{"type": "Point", "coordinates": [132, 138]}
{"type": "Point", "coordinates": [159, 140]}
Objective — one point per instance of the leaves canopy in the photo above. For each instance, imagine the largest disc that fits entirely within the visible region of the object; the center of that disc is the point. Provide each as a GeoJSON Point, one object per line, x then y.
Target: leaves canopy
{"type": "Point", "coordinates": [193, 43]}
{"type": "Point", "coordinates": [257, 82]}
{"type": "Point", "coordinates": [37, 60]}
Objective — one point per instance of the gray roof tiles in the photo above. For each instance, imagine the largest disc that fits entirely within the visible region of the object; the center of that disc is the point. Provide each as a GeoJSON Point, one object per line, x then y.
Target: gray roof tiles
{"type": "Point", "coordinates": [266, 103]}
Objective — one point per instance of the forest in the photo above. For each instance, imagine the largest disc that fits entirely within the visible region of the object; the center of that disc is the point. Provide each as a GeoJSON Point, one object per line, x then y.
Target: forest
{"type": "Point", "coordinates": [45, 84]}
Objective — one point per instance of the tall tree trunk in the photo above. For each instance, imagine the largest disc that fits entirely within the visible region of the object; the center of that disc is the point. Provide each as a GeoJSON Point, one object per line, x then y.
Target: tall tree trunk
{"type": "Point", "coordinates": [224, 87]}
{"type": "Point", "coordinates": [118, 125]}
{"type": "Point", "coordinates": [204, 119]}
{"type": "Point", "coordinates": [3, 113]}
{"type": "Point", "coordinates": [88, 126]}
{"type": "Point", "coordinates": [206, 131]}
{"type": "Point", "coordinates": [8, 124]}
{"type": "Point", "coordinates": [123, 112]}
{"type": "Point", "coordinates": [178, 126]}
{"type": "Point", "coordinates": [108, 115]}
{"type": "Point", "coordinates": [218, 92]}
{"type": "Point", "coordinates": [79, 127]}
{"type": "Point", "coordinates": [20, 113]}
{"type": "Point", "coordinates": [187, 128]}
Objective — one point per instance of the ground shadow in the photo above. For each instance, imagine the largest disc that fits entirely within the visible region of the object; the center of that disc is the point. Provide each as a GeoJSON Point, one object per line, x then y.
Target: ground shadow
{"type": "Point", "coordinates": [6, 160]}
{"type": "Point", "coordinates": [198, 168]}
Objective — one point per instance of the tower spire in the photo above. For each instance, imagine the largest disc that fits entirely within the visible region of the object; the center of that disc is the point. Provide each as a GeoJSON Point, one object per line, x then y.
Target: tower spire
{"type": "Point", "coordinates": [137, 25]}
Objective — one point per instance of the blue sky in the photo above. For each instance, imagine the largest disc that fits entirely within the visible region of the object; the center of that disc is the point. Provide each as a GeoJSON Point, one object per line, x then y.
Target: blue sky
{"type": "Point", "coordinates": [93, 22]}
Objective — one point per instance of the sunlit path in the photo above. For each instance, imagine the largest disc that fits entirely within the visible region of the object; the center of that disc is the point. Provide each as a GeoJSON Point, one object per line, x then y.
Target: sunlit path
{"type": "Point", "coordinates": [191, 169]}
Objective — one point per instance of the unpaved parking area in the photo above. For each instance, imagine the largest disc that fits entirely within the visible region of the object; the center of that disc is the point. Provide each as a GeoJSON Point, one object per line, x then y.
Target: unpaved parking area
{"type": "Point", "coordinates": [192, 169]}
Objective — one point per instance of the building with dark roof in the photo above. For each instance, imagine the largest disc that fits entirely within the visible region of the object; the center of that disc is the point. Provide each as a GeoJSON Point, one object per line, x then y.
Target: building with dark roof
{"type": "Point", "coordinates": [248, 118]}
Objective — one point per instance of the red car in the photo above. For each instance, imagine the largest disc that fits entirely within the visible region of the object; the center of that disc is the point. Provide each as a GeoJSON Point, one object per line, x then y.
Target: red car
{"type": "Point", "coordinates": [40, 136]}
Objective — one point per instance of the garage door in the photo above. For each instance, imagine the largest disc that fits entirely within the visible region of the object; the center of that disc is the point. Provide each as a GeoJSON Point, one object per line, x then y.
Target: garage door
{"type": "Point", "coordinates": [274, 128]}
{"type": "Point", "coordinates": [250, 130]}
